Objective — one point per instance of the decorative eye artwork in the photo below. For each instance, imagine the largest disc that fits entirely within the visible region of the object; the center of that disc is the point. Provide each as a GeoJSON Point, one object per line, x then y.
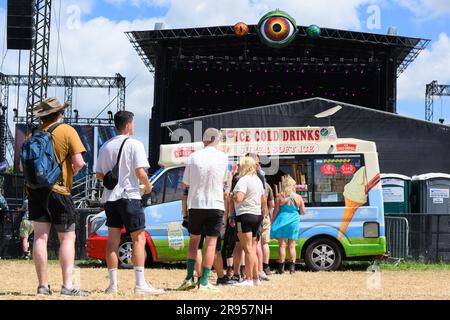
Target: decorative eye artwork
{"type": "Point", "coordinates": [277, 29]}
{"type": "Point", "coordinates": [241, 29]}
{"type": "Point", "coordinates": [313, 31]}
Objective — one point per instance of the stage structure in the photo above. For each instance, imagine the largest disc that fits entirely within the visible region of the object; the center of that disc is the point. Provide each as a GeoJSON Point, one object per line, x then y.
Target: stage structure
{"type": "Point", "coordinates": [68, 83]}
{"type": "Point", "coordinates": [434, 90]}
{"type": "Point", "coordinates": [202, 71]}
{"type": "Point", "coordinates": [39, 58]}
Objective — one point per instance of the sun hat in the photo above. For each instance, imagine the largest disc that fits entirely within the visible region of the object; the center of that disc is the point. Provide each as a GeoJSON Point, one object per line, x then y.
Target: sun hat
{"type": "Point", "coordinates": [49, 106]}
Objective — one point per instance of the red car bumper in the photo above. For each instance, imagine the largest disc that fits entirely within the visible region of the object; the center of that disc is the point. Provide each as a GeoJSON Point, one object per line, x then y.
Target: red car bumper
{"type": "Point", "coordinates": [96, 247]}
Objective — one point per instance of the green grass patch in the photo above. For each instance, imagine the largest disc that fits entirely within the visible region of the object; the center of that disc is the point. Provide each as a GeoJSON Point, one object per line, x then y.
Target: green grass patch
{"type": "Point", "coordinates": [414, 266]}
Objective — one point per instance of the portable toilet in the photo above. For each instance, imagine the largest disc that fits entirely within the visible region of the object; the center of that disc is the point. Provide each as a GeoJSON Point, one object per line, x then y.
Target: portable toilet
{"type": "Point", "coordinates": [396, 193]}
{"type": "Point", "coordinates": [431, 193]}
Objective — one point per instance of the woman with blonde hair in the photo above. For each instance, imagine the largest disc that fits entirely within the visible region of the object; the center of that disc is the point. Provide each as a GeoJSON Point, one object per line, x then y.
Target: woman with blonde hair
{"type": "Point", "coordinates": [249, 199]}
{"type": "Point", "coordinates": [286, 224]}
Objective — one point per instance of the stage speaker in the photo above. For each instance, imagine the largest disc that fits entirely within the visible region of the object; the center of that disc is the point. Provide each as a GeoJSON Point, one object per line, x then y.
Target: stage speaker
{"type": "Point", "coordinates": [20, 24]}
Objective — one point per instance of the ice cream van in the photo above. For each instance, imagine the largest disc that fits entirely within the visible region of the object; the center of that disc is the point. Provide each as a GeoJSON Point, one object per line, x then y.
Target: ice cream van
{"type": "Point", "coordinates": [339, 180]}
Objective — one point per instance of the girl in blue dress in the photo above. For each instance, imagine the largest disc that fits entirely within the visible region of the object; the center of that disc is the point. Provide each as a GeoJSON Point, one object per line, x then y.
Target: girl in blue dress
{"type": "Point", "coordinates": [286, 224]}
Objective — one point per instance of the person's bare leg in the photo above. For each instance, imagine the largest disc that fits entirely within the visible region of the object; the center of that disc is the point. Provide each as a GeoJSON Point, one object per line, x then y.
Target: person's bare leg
{"type": "Point", "coordinates": [259, 255]}
{"type": "Point", "coordinates": [242, 267]}
{"type": "Point", "coordinates": [247, 245]}
{"type": "Point", "coordinates": [139, 241]}
{"type": "Point", "coordinates": [25, 244]}
{"type": "Point", "coordinates": [41, 232]}
{"type": "Point", "coordinates": [67, 256]}
{"type": "Point", "coordinates": [210, 252]}
{"type": "Point", "coordinates": [112, 255]}
{"type": "Point", "coordinates": [198, 263]}
{"type": "Point", "coordinates": [266, 253]}
{"type": "Point", "coordinates": [256, 259]}
{"type": "Point", "coordinates": [218, 265]}
{"type": "Point", "coordinates": [229, 262]}
{"type": "Point", "coordinates": [194, 241]}
{"type": "Point", "coordinates": [138, 257]}
{"type": "Point", "coordinates": [112, 248]}
{"type": "Point", "coordinates": [208, 259]}
{"type": "Point", "coordinates": [292, 252]}
{"type": "Point", "coordinates": [282, 250]}
{"type": "Point", "coordinates": [237, 256]}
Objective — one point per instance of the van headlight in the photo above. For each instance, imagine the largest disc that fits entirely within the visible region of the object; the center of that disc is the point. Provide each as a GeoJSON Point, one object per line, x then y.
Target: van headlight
{"type": "Point", "coordinates": [371, 230]}
{"type": "Point", "coordinates": [97, 223]}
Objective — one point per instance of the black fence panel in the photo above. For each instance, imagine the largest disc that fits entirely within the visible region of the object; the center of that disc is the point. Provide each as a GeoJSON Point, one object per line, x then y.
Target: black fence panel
{"type": "Point", "coordinates": [429, 236]}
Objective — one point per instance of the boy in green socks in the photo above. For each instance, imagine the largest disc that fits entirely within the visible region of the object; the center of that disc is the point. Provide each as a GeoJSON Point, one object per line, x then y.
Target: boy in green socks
{"type": "Point", "coordinates": [205, 175]}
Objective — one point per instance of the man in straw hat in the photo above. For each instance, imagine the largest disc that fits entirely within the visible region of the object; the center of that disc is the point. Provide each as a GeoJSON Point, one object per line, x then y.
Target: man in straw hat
{"type": "Point", "coordinates": [54, 205]}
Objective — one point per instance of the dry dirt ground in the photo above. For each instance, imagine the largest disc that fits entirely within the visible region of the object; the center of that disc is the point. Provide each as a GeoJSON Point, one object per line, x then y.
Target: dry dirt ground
{"type": "Point", "coordinates": [18, 281]}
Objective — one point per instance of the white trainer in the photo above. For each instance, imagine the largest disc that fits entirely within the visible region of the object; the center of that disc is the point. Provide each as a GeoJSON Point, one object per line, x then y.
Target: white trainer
{"type": "Point", "coordinates": [111, 290]}
{"type": "Point", "coordinates": [147, 289]}
{"type": "Point", "coordinates": [245, 283]}
{"type": "Point", "coordinates": [257, 282]}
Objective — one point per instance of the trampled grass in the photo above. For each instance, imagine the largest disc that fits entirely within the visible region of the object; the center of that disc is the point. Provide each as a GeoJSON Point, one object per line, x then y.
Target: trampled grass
{"type": "Point", "coordinates": [354, 281]}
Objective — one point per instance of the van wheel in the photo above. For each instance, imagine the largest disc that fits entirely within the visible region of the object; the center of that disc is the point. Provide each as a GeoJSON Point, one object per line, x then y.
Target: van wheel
{"type": "Point", "coordinates": [126, 251]}
{"type": "Point", "coordinates": [323, 255]}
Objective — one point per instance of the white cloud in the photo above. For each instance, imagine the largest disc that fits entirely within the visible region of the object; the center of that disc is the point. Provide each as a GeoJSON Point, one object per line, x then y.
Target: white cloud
{"type": "Point", "coordinates": [432, 64]}
{"type": "Point", "coordinates": [139, 3]}
{"type": "Point", "coordinates": [184, 13]}
{"type": "Point", "coordinates": [426, 9]}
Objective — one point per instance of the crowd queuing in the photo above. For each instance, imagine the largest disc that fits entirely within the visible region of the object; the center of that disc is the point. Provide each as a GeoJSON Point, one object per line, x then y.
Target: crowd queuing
{"type": "Point", "coordinates": [238, 214]}
{"type": "Point", "coordinates": [242, 213]}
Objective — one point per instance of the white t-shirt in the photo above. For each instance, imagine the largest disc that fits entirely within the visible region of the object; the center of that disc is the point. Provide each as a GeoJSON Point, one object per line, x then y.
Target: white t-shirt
{"type": "Point", "coordinates": [133, 157]}
{"type": "Point", "coordinates": [205, 174]}
{"type": "Point", "coordinates": [253, 189]}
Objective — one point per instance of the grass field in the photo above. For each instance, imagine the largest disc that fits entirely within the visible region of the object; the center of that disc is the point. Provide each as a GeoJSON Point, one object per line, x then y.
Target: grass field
{"type": "Point", "coordinates": [402, 281]}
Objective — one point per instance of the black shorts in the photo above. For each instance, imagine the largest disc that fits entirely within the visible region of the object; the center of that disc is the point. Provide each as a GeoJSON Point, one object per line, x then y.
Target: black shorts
{"type": "Point", "coordinates": [218, 244]}
{"type": "Point", "coordinates": [205, 221]}
{"type": "Point", "coordinates": [126, 213]}
{"type": "Point", "coordinates": [247, 223]}
{"type": "Point", "coordinates": [47, 206]}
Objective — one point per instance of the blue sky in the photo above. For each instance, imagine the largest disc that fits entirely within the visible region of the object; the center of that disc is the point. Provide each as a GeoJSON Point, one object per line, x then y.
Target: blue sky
{"type": "Point", "coordinates": [98, 46]}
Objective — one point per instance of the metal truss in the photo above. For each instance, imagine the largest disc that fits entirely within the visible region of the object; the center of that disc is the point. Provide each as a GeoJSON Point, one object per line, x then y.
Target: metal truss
{"type": "Point", "coordinates": [7, 135]}
{"type": "Point", "coordinates": [39, 56]}
{"type": "Point", "coordinates": [69, 83]}
{"type": "Point", "coordinates": [79, 121]}
{"type": "Point", "coordinates": [434, 90]}
{"type": "Point", "coordinates": [140, 51]}
{"type": "Point", "coordinates": [143, 41]}
{"type": "Point", "coordinates": [65, 81]}
{"type": "Point", "coordinates": [412, 55]}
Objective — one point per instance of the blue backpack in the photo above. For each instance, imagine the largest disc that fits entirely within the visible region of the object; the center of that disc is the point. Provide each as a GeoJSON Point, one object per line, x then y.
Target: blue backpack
{"type": "Point", "coordinates": [40, 167]}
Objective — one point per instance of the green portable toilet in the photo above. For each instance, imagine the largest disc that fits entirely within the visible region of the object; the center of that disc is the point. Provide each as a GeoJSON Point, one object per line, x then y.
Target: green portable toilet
{"type": "Point", "coordinates": [431, 193]}
{"type": "Point", "coordinates": [396, 193]}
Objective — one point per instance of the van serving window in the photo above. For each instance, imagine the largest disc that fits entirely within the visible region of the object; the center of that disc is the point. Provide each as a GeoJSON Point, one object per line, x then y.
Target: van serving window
{"type": "Point", "coordinates": [320, 179]}
{"type": "Point", "coordinates": [331, 174]}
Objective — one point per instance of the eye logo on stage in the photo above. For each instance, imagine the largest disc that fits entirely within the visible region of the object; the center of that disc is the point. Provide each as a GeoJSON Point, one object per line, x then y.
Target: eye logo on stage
{"type": "Point", "coordinates": [277, 29]}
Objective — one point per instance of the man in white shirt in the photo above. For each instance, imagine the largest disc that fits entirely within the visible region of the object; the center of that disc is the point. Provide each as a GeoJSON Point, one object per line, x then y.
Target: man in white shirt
{"type": "Point", "coordinates": [123, 203]}
{"type": "Point", "coordinates": [205, 176]}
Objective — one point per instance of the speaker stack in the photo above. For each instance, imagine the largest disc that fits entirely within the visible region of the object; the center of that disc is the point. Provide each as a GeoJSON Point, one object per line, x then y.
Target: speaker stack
{"type": "Point", "coordinates": [20, 24]}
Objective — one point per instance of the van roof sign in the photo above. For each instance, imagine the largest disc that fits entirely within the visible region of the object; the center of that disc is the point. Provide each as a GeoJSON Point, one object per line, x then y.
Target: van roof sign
{"type": "Point", "coordinates": [278, 135]}
{"type": "Point", "coordinates": [270, 141]}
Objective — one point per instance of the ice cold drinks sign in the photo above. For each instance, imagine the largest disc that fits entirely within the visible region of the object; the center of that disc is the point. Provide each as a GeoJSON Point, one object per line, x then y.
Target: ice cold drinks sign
{"type": "Point", "coordinates": [277, 135]}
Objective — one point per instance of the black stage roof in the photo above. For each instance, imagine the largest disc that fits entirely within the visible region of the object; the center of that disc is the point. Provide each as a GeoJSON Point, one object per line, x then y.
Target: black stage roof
{"type": "Point", "coordinates": [191, 41]}
{"type": "Point", "coordinates": [405, 145]}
